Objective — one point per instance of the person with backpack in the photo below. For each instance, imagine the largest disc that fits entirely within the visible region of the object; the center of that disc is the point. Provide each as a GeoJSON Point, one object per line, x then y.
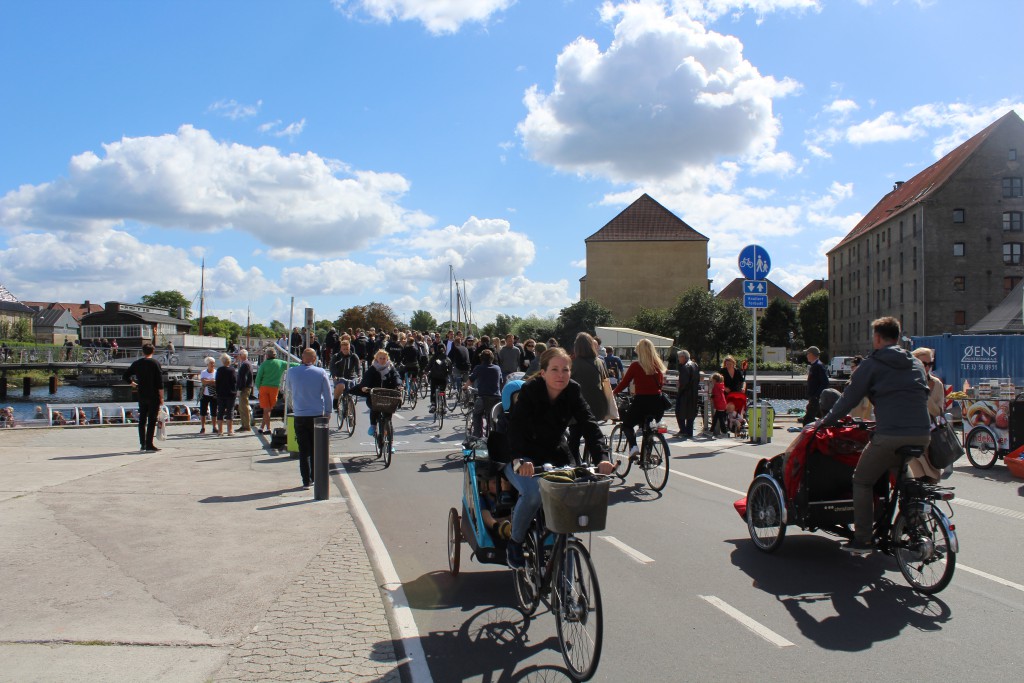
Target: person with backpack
{"type": "Point", "coordinates": [439, 366]}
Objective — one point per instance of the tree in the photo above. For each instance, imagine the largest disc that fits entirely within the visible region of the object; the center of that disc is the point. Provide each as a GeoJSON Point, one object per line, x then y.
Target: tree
{"type": "Point", "coordinates": [654, 320]}
{"type": "Point", "coordinates": [813, 314]}
{"type": "Point", "coordinates": [583, 316]}
{"type": "Point", "coordinates": [169, 299]}
{"type": "Point", "coordinates": [733, 328]}
{"type": "Point", "coordinates": [217, 327]}
{"type": "Point", "coordinates": [258, 330]}
{"type": "Point", "coordinates": [538, 329]}
{"type": "Point", "coordinates": [277, 328]}
{"type": "Point", "coordinates": [375, 314]}
{"type": "Point", "coordinates": [775, 325]}
{"type": "Point", "coordinates": [694, 317]}
{"type": "Point", "coordinates": [422, 321]}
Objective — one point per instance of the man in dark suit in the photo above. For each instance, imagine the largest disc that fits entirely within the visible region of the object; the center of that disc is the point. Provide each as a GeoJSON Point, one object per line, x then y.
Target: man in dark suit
{"type": "Point", "coordinates": [687, 395]}
{"type": "Point", "coordinates": [817, 382]}
{"type": "Point", "coordinates": [149, 384]}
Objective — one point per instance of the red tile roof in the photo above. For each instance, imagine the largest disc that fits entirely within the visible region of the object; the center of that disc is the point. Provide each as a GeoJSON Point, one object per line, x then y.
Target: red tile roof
{"type": "Point", "coordinates": [78, 311]}
{"type": "Point", "coordinates": [811, 287]}
{"type": "Point", "coordinates": [734, 290]}
{"type": "Point", "coordinates": [646, 220]}
{"type": "Point", "coordinates": [918, 188]}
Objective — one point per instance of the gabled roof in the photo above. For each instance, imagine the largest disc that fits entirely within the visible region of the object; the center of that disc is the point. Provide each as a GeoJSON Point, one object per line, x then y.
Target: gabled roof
{"type": "Point", "coordinates": [1004, 318]}
{"type": "Point", "coordinates": [734, 290]}
{"type": "Point", "coordinates": [907, 195]}
{"type": "Point", "coordinates": [10, 303]}
{"type": "Point", "coordinates": [51, 317]}
{"type": "Point", "coordinates": [811, 287]}
{"type": "Point", "coordinates": [77, 310]}
{"type": "Point", "coordinates": [645, 220]}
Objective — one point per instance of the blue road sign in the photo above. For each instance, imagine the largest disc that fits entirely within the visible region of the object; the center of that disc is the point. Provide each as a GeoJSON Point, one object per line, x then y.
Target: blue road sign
{"type": "Point", "coordinates": [755, 287]}
{"type": "Point", "coordinates": [755, 300]}
{"type": "Point", "coordinates": [754, 262]}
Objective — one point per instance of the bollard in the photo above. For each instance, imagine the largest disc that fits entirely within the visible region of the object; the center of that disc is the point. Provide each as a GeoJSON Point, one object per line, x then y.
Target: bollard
{"type": "Point", "coordinates": [3, 385]}
{"type": "Point", "coordinates": [26, 386]}
{"type": "Point", "coordinates": [321, 457]}
{"type": "Point", "coordinates": [53, 383]}
{"type": "Point", "coordinates": [189, 384]}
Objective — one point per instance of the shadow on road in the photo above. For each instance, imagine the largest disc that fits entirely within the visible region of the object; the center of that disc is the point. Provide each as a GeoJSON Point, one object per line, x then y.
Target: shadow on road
{"type": "Point", "coordinates": [635, 492]}
{"type": "Point", "coordinates": [248, 496]}
{"type": "Point", "coordinates": [96, 455]}
{"type": "Point", "coordinates": [838, 602]}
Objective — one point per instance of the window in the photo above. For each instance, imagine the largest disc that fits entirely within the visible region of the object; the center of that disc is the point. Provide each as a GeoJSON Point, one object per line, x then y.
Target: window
{"type": "Point", "coordinates": [1011, 252]}
{"type": "Point", "coordinates": [1009, 283]}
{"type": "Point", "coordinates": [901, 231]}
{"type": "Point", "coordinates": [913, 221]}
{"type": "Point", "coordinates": [959, 317]}
{"type": "Point", "coordinates": [1013, 187]}
{"type": "Point", "coordinates": [958, 248]}
{"type": "Point", "coordinates": [1012, 221]}
{"type": "Point", "coordinates": [958, 215]}
{"type": "Point", "coordinates": [1012, 156]}
{"type": "Point", "coordinates": [915, 258]}
{"type": "Point", "coordinates": [915, 291]}
{"type": "Point", "coordinates": [901, 292]}
{"type": "Point", "coordinates": [958, 283]}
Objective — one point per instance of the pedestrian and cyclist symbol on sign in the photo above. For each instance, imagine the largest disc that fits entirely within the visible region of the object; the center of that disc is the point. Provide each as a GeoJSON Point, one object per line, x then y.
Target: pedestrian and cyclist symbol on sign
{"type": "Point", "coordinates": [755, 263]}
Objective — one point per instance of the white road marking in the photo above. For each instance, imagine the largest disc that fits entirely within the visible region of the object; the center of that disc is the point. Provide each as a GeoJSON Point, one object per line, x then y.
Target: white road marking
{"type": "Point", "coordinates": [991, 577]}
{"type": "Point", "coordinates": [392, 589]}
{"type": "Point", "coordinates": [709, 483]}
{"type": "Point", "coordinates": [757, 627]}
{"type": "Point", "coordinates": [1012, 514]}
{"type": "Point", "coordinates": [633, 553]}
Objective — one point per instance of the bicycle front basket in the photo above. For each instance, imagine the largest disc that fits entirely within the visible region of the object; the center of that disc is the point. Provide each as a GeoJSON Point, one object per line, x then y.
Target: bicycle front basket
{"type": "Point", "coordinates": [385, 400]}
{"type": "Point", "coordinates": [576, 507]}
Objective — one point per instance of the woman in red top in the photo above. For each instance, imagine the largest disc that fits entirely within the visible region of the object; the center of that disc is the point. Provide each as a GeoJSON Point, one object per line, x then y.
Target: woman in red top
{"type": "Point", "coordinates": [647, 375]}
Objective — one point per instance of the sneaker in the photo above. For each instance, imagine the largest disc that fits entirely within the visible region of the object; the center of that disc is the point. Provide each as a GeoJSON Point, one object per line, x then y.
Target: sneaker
{"type": "Point", "coordinates": [505, 530]}
{"type": "Point", "coordinates": [514, 555]}
{"type": "Point", "coordinates": [430, 409]}
{"type": "Point", "coordinates": [634, 452]}
{"type": "Point", "coordinates": [203, 430]}
{"type": "Point", "coordinates": [371, 432]}
{"type": "Point", "coordinates": [152, 449]}
{"type": "Point", "coordinates": [859, 547]}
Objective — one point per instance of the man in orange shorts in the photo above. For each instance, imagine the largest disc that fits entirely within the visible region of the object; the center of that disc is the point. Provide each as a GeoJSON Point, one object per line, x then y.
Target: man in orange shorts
{"type": "Point", "coordinates": [268, 384]}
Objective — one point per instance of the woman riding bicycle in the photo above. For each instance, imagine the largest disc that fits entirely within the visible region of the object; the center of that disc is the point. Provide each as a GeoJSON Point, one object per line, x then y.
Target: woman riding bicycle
{"type": "Point", "coordinates": [537, 423]}
{"type": "Point", "coordinates": [647, 375]}
{"type": "Point", "coordinates": [380, 374]}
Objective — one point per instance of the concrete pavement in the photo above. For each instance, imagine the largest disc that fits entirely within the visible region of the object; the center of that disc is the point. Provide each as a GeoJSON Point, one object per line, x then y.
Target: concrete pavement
{"type": "Point", "coordinates": [205, 561]}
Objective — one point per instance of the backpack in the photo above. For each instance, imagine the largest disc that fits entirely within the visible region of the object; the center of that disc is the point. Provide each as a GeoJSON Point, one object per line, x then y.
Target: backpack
{"type": "Point", "coordinates": [438, 369]}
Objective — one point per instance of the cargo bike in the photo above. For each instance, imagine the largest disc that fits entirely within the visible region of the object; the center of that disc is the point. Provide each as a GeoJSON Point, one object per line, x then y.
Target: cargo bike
{"type": "Point", "coordinates": [810, 486]}
{"type": "Point", "coordinates": [993, 430]}
{"type": "Point", "coordinates": [559, 570]}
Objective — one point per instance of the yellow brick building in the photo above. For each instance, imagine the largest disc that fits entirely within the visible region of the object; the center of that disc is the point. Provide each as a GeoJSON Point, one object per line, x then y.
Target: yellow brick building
{"type": "Point", "coordinates": [646, 256]}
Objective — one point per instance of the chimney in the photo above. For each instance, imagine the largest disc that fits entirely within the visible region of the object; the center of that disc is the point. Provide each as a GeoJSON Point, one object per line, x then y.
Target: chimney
{"type": "Point", "coordinates": [898, 185]}
{"type": "Point", "coordinates": [86, 304]}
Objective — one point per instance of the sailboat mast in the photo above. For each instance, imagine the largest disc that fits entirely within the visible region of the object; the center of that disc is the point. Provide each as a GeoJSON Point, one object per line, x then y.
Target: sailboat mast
{"type": "Point", "coordinates": [202, 295]}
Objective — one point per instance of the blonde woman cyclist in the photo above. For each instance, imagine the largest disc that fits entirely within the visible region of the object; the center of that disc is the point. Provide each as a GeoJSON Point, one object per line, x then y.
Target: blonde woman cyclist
{"type": "Point", "coordinates": [647, 375]}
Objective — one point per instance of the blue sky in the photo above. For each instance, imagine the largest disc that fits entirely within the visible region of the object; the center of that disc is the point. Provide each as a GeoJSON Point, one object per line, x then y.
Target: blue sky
{"type": "Point", "coordinates": [348, 151]}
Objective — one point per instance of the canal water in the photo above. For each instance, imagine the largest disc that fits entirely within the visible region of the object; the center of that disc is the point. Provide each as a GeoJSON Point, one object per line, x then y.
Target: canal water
{"type": "Point", "coordinates": [25, 407]}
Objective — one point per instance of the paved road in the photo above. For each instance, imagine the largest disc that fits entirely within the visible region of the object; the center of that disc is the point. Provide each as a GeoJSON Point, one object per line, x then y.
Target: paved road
{"type": "Point", "coordinates": [672, 605]}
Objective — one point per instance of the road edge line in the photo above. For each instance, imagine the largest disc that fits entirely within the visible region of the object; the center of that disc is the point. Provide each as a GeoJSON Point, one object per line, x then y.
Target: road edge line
{"type": "Point", "coordinates": [630, 552]}
{"type": "Point", "coordinates": [709, 483]}
{"type": "Point", "coordinates": [391, 589]}
{"type": "Point", "coordinates": [991, 577]}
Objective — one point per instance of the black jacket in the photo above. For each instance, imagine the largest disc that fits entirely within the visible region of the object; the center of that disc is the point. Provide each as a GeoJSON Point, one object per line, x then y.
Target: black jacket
{"type": "Point", "coordinates": [344, 366]}
{"type": "Point", "coordinates": [245, 375]}
{"type": "Point", "coordinates": [374, 379]}
{"type": "Point", "coordinates": [817, 379]}
{"type": "Point", "coordinates": [537, 426]}
{"type": "Point", "coordinates": [459, 356]}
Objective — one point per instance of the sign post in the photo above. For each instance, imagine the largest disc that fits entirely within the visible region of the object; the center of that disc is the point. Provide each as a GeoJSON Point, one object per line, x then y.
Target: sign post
{"type": "Point", "coordinates": [755, 264]}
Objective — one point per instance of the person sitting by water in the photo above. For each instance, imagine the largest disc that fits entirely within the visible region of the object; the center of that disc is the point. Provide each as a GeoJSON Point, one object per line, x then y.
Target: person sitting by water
{"type": "Point", "coordinates": [39, 414]}
{"type": "Point", "coordinates": [58, 418]}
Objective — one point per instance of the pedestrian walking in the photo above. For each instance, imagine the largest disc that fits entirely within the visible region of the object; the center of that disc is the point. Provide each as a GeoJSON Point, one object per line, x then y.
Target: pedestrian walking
{"type": "Point", "coordinates": [268, 385]}
{"type": "Point", "coordinates": [817, 382]}
{"type": "Point", "coordinates": [146, 378]}
{"type": "Point", "coordinates": [687, 392]}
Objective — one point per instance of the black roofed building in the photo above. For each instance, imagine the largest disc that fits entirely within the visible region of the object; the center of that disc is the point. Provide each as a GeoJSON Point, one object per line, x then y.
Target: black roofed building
{"type": "Point", "coordinates": [131, 325]}
{"type": "Point", "coordinates": [12, 312]}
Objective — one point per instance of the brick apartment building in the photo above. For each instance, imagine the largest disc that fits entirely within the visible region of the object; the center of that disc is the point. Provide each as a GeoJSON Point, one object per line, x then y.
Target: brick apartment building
{"type": "Point", "coordinates": [940, 250]}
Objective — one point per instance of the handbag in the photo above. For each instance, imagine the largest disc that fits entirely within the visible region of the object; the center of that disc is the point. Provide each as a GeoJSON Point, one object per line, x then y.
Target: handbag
{"type": "Point", "coordinates": [609, 397]}
{"type": "Point", "coordinates": [945, 448]}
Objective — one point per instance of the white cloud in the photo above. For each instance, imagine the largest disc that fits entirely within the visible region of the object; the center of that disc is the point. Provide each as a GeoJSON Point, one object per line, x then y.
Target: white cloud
{"type": "Point", "coordinates": [341, 276]}
{"type": "Point", "coordinates": [666, 96]}
{"type": "Point", "coordinates": [189, 180]}
{"type": "Point", "coordinates": [884, 128]}
{"type": "Point", "coordinates": [582, 263]}
{"type": "Point", "coordinates": [438, 16]}
{"type": "Point", "coordinates": [713, 9]}
{"type": "Point", "coordinates": [841, 107]}
{"type": "Point", "coordinates": [478, 249]}
{"type": "Point", "coordinates": [115, 265]}
{"type": "Point", "coordinates": [290, 131]}
{"type": "Point", "coordinates": [235, 110]}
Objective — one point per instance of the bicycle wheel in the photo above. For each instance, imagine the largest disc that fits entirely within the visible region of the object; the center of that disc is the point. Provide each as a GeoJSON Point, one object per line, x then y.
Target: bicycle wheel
{"type": "Point", "coordinates": [527, 580]}
{"type": "Point", "coordinates": [378, 439]}
{"type": "Point", "coordinates": [981, 448]}
{"type": "Point", "coordinates": [655, 461]}
{"type": "Point", "coordinates": [350, 415]}
{"type": "Point", "coordinates": [339, 413]}
{"type": "Point", "coordinates": [765, 514]}
{"type": "Point", "coordinates": [454, 542]}
{"type": "Point", "coordinates": [440, 408]}
{"type": "Point", "coordinates": [453, 397]}
{"type": "Point", "coordinates": [923, 552]}
{"type": "Point", "coordinates": [414, 394]}
{"type": "Point", "coordinates": [620, 451]}
{"type": "Point", "coordinates": [578, 614]}
{"type": "Point", "coordinates": [424, 387]}
{"type": "Point", "coordinates": [388, 446]}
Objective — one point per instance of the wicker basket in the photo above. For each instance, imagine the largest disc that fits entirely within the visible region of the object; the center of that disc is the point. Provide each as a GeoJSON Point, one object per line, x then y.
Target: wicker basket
{"type": "Point", "coordinates": [577, 507]}
{"type": "Point", "coordinates": [385, 400]}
